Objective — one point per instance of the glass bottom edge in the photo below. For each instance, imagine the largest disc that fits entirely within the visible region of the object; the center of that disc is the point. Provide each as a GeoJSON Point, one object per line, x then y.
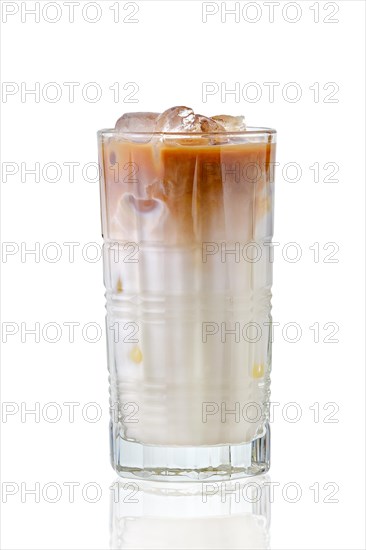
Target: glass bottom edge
{"type": "Point", "coordinates": [212, 463]}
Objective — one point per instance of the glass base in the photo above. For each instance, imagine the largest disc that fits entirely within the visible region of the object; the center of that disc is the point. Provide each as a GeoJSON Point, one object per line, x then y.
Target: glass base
{"type": "Point", "coordinates": [213, 463]}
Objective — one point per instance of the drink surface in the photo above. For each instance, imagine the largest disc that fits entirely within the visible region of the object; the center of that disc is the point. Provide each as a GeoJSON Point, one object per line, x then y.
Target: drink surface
{"type": "Point", "coordinates": [187, 224]}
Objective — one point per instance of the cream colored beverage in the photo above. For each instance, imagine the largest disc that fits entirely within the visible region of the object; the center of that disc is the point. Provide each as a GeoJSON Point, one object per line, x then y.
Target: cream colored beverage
{"type": "Point", "coordinates": [187, 216]}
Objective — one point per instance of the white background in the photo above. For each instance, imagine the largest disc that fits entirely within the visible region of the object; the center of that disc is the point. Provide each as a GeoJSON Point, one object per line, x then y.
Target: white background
{"type": "Point", "coordinates": [169, 53]}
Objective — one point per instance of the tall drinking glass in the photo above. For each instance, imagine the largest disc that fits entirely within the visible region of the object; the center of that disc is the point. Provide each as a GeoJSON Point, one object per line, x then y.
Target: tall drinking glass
{"type": "Point", "coordinates": [187, 224]}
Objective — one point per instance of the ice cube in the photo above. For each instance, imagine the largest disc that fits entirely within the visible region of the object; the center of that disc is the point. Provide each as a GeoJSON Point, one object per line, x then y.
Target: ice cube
{"type": "Point", "coordinates": [208, 124]}
{"type": "Point", "coordinates": [230, 123]}
{"type": "Point", "coordinates": [177, 119]}
{"type": "Point", "coordinates": [137, 122]}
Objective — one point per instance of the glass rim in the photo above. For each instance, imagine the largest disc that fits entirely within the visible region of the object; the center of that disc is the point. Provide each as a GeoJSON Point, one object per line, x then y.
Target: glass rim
{"type": "Point", "coordinates": [249, 131]}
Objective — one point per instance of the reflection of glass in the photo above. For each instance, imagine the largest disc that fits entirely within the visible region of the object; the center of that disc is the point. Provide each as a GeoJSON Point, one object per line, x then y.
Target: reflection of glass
{"type": "Point", "coordinates": [208, 515]}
